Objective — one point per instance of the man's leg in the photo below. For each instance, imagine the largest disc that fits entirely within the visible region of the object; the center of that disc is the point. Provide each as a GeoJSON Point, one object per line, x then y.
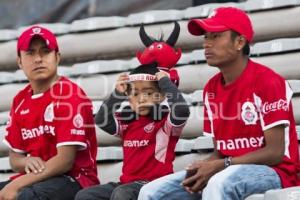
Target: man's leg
{"type": "Point", "coordinates": [99, 192]}
{"type": "Point", "coordinates": [127, 191]}
{"type": "Point", "coordinates": [167, 187]}
{"type": "Point", "coordinates": [239, 181]}
{"type": "Point", "coordinates": [56, 188]}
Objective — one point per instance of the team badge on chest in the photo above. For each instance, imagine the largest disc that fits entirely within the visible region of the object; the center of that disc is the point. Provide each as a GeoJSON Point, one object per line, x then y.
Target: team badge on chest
{"type": "Point", "coordinates": [149, 127]}
{"type": "Point", "coordinates": [49, 113]}
{"type": "Point", "coordinates": [249, 114]}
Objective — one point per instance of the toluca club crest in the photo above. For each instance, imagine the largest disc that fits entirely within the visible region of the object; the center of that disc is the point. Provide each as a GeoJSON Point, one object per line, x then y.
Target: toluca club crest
{"type": "Point", "coordinates": [249, 114]}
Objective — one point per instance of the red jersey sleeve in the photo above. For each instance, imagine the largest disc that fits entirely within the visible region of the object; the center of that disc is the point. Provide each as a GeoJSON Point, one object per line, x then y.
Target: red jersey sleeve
{"type": "Point", "coordinates": [13, 137]}
{"type": "Point", "coordinates": [172, 129]}
{"type": "Point", "coordinates": [73, 117]}
{"type": "Point", "coordinates": [273, 100]}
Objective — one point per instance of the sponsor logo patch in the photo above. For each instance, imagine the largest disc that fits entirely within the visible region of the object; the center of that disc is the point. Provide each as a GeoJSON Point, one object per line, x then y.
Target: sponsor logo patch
{"type": "Point", "coordinates": [49, 113]}
{"type": "Point", "coordinates": [24, 112]}
{"type": "Point", "coordinates": [78, 121]}
{"type": "Point", "coordinates": [149, 127]}
{"type": "Point", "coordinates": [274, 106]}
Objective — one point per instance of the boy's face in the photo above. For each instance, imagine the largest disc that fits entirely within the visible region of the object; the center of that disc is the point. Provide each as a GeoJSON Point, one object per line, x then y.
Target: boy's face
{"type": "Point", "coordinates": [143, 95]}
{"type": "Point", "coordinates": [39, 62]}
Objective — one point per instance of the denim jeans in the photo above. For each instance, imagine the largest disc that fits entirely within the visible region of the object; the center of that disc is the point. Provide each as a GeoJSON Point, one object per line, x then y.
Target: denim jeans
{"type": "Point", "coordinates": [236, 182]}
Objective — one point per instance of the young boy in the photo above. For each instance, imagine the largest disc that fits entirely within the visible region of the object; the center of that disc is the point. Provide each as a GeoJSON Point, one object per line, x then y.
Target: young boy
{"type": "Point", "coordinates": [149, 130]}
{"type": "Point", "coordinates": [51, 133]}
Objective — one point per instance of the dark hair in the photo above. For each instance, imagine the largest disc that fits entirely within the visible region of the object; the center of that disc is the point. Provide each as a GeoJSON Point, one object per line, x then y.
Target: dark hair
{"type": "Point", "coordinates": [246, 48]}
{"type": "Point", "coordinates": [145, 69]}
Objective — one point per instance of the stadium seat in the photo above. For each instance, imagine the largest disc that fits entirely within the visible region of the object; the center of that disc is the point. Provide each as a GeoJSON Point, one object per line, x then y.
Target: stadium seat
{"type": "Point", "coordinates": [154, 16]}
{"type": "Point", "coordinates": [97, 23]}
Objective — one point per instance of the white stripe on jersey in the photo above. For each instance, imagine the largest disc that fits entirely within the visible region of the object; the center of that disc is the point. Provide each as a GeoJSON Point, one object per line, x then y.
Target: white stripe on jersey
{"type": "Point", "coordinates": [72, 143]}
{"type": "Point", "coordinates": [209, 114]}
{"type": "Point", "coordinates": [16, 110]}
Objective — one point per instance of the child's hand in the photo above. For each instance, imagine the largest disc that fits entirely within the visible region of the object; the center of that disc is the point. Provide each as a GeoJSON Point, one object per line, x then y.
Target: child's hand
{"type": "Point", "coordinates": [122, 81]}
{"type": "Point", "coordinates": [161, 74]}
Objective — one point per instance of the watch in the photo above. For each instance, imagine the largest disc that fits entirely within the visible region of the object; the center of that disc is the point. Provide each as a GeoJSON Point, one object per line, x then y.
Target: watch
{"type": "Point", "coordinates": [227, 161]}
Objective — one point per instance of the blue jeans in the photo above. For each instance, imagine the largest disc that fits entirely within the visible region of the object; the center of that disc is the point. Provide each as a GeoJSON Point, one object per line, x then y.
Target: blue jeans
{"type": "Point", "coordinates": [236, 182]}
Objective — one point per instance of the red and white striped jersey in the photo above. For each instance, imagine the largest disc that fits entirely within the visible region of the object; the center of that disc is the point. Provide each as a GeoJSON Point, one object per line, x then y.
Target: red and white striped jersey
{"type": "Point", "coordinates": [62, 115]}
{"type": "Point", "coordinates": [238, 114]}
{"type": "Point", "coordinates": [148, 147]}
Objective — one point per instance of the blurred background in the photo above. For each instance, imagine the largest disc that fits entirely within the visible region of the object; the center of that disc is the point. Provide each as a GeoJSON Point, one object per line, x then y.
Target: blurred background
{"type": "Point", "coordinates": [16, 13]}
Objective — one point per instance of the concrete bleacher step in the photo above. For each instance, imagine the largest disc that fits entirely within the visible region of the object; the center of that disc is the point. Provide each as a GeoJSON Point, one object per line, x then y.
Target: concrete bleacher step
{"type": "Point", "coordinates": [101, 66]}
{"type": "Point", "coordinates": [8, 34]}
{"type": "Point", "coordinates": [56, 28]}
{"type": "Point", "coordinates": [265, 25]}
{"type": "Point", "coordinates": [153, 16]}
{"type": "Point", "coordinates": [97, 23]}
{"type": "Point", "coordinates": [203, 11]}
{"type": "Point", "coordinates": [276, 46]}
{"type": "Point", "coordinates": [261, 5]}
{"type": "Point", "coordinates": [192, 77]}
{"type": "Point", "coordinates": [292, 193]}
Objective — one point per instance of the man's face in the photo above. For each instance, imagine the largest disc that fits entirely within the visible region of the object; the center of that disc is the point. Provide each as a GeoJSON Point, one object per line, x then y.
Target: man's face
{"type": "Point", "coordinates": [220, 49]}
{"type": "Point", "coordinates": [143, 95]}
{"type": "Point", "coordinates": [39, 63]}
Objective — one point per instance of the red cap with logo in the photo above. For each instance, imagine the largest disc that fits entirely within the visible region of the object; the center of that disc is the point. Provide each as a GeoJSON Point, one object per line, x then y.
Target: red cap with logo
{"type": "Point", "coordinates": [223, 19]}
{"type": "Point", "coordinates": [36, 31]}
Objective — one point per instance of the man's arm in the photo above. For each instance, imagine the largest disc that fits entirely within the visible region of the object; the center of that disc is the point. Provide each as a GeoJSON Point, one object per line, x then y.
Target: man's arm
{"type": "Point", "coordinates": [57, 165]}
{"type": "Point", "coordinates": [22, 163]}
{"type": "Point", "coordinates": [271, 154]}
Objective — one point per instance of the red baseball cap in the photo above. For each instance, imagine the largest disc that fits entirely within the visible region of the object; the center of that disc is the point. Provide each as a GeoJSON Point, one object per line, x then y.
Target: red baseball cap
{"type": "Point", "coordinates": [223, 19]}
{"type": "Point", "coordinates": [36, 31]}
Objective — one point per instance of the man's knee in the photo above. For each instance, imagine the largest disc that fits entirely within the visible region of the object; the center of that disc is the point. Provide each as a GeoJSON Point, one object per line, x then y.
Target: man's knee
{"type": "Point", "coordinates": [123, 193]}
{"type": "Point", "coordinates": [146, 192]}
{"type": "Point", "coordinates": [27, 194]}
{"type": "Point", "coordinates": [83, 195]}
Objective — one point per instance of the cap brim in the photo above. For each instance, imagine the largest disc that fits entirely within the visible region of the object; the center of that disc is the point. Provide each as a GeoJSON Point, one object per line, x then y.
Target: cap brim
{"type": "Point", "coordinates": [199, 26]}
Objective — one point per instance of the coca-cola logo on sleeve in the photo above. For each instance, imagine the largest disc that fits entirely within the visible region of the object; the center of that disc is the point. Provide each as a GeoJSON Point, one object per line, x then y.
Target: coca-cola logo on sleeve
{"type": "Point", "coordinates": [274, 106]}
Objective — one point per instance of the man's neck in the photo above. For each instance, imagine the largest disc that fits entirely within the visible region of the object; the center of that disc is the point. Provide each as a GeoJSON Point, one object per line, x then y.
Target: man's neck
{"type": "Point", "coordinates": [232, 71]}
{"type": "Point", "coordinates": [39, 87]}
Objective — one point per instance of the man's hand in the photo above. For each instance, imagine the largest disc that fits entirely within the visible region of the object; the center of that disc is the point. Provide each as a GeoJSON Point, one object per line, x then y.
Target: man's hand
{"type": "Point", "coordinates": [205, 170]}
{"type": "Point", "coordinates": [9, 192]}
{"type": "Point", "coordinates": [122, 82]}
{"type": "Point", "coordinates": [34, 164]}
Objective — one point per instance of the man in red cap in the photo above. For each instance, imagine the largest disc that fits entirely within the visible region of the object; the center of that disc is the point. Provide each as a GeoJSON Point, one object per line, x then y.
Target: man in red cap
{"type": "Point", "coordinates": [51, 133]}
{"type": "Point", "coordinates": [251, 123]}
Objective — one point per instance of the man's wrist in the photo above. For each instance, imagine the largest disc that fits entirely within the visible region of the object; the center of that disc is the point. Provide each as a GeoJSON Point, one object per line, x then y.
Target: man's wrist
{"type": "Point", "coordinates": [227, 161]}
